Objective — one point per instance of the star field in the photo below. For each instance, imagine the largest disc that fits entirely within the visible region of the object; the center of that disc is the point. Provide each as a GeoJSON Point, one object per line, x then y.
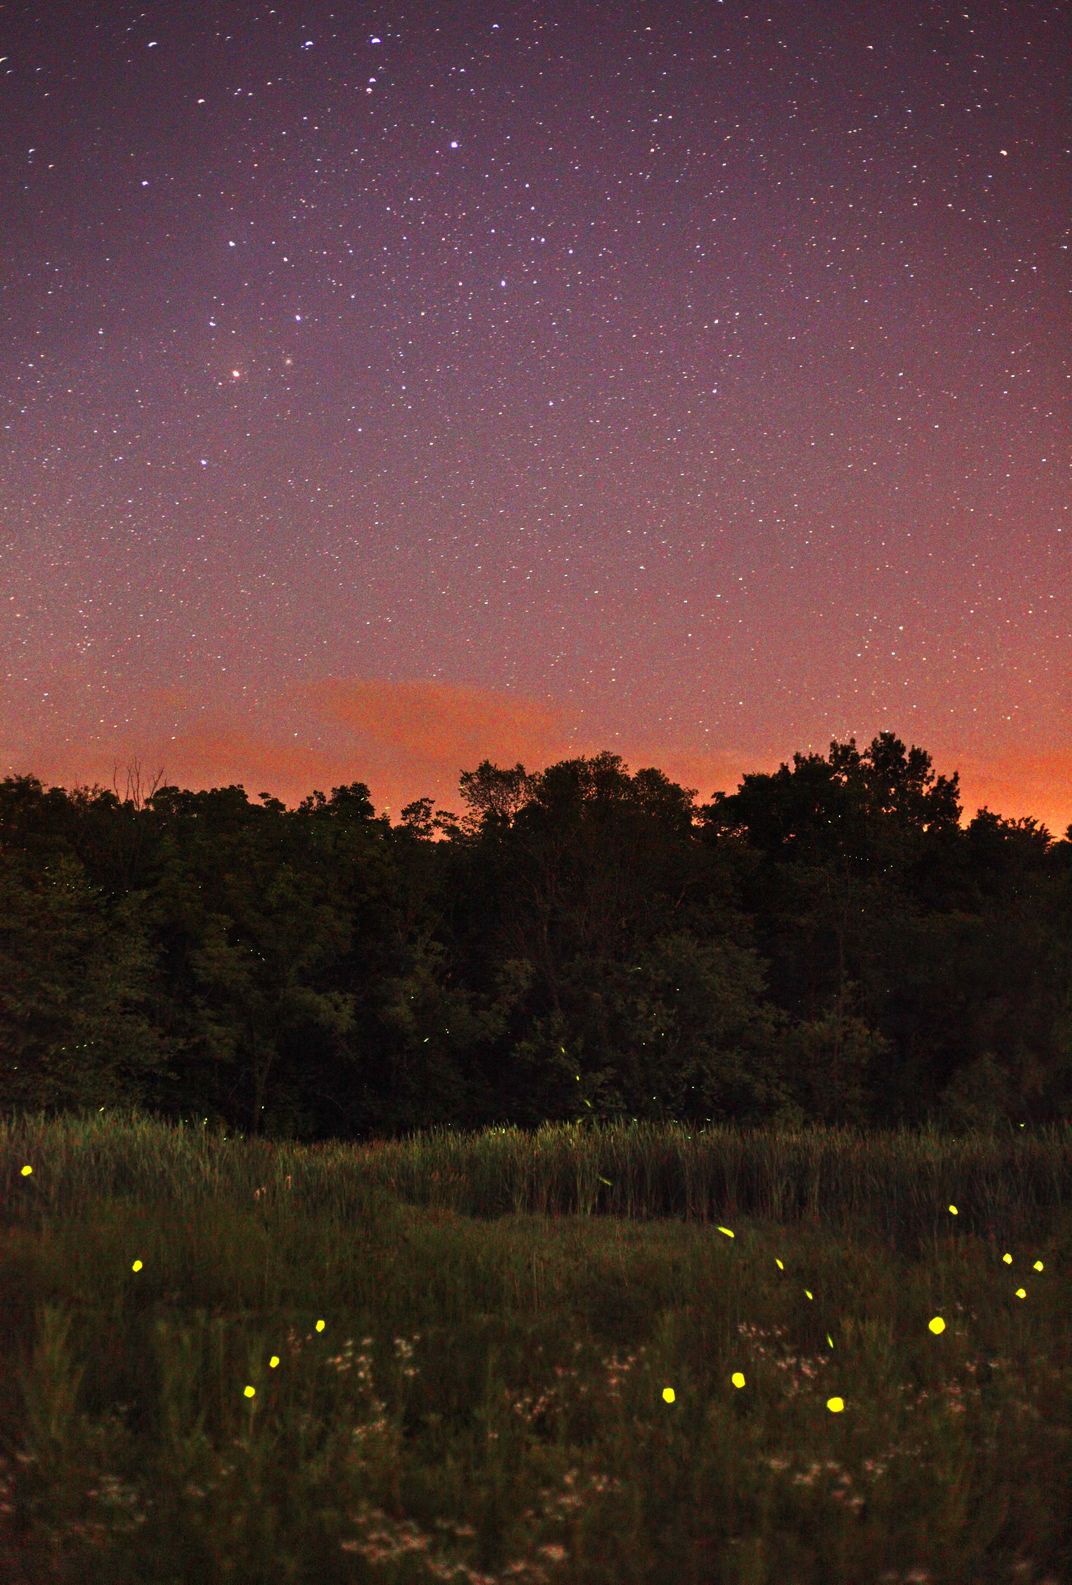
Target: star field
{"type": "Point", "coordinates": [387, 389]}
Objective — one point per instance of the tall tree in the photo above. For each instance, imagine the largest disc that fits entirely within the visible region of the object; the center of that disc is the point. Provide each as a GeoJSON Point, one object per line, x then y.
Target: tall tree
{"type": "Point", "coordinates": [75, 1022]}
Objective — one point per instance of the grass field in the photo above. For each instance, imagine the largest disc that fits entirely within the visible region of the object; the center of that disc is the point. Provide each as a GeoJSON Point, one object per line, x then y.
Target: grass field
{"type": "Point", "coordinates": [600, 1355]}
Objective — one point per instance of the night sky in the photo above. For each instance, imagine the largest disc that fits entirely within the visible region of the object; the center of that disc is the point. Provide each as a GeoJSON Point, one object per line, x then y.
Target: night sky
{"type": "Point", "coordinates": [389, 388]}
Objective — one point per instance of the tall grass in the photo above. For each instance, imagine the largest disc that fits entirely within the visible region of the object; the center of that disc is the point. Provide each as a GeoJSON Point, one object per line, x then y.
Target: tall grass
{"type": "Point", "coordinates": [493, 1365]}
{"type": "Point", "coordinates": [898, 1184]}
{"type": "Point", "coordinates": [893, 1182]}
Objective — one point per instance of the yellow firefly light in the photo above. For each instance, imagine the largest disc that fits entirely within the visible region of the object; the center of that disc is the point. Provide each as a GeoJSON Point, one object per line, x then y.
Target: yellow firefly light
{"type": "Point", "coordinates": [249, 1392]}
{"type": "Point", "coordinates": [1007, 1258]}
{"type": "Point", "coordinates": [727, 1232]}
{"type": "Point", "coordinates": [1038, 1265]}
{"type": "Point", "coordinates": [27, 1170]}
{"type": "Point", "coordinates": [936, 1325]}
{"type": "Point", "coordinates": [738, 1378]}
{"type": "Point", "coordinates": [136, 1266]}
{"type": "Point", "coordinates": [829, 1339]}
{"type": "Point", "coordinates": [273, 1362]}
{"type": "Point", "coordinates": [320, 1325]}
{"type": "Point", "coordinates": [953, 1211]}
{"type": "Point", "coordinates": [668, 1395]}
{"type": "Point", "coordinates": [1021, 1293]}
{"type": "Point", "coordinates": [808, 1293]}
{"type": "Point", "coordinates": [835, 1405]}
{"type": "Point", "coordinates": [778, 1263]}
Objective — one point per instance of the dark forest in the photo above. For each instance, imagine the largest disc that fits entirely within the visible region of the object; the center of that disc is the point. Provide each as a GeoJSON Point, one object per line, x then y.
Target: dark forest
{"type": "Point", "coordinates": [827, 944]}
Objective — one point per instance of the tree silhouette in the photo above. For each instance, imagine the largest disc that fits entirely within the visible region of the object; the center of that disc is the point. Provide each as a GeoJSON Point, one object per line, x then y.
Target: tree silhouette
{"type": "Point", "coordinates": [826, 942]}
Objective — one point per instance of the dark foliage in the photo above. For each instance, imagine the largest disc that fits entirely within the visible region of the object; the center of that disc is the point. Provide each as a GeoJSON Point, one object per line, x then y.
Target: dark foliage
{"type": "Point", "coordinates": [826, 943]}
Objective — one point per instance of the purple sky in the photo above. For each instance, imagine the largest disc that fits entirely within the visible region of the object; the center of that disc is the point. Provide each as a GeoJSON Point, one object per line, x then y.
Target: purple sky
{"type": "Point", "coordinates": [388, 389]}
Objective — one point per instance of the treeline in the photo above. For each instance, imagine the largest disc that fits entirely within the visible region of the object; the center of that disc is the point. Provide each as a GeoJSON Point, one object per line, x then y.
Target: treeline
{"type": "Point", "coordinates": [826, 944]}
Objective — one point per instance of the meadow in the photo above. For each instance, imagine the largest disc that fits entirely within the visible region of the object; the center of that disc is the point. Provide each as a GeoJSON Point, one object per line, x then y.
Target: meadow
{"type": "Point", "coordinates": [608, 1355]}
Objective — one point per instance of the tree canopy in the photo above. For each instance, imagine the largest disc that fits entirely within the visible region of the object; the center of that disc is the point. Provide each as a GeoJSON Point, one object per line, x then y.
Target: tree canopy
{"type": "Point", "coordinates": [828, 942]}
